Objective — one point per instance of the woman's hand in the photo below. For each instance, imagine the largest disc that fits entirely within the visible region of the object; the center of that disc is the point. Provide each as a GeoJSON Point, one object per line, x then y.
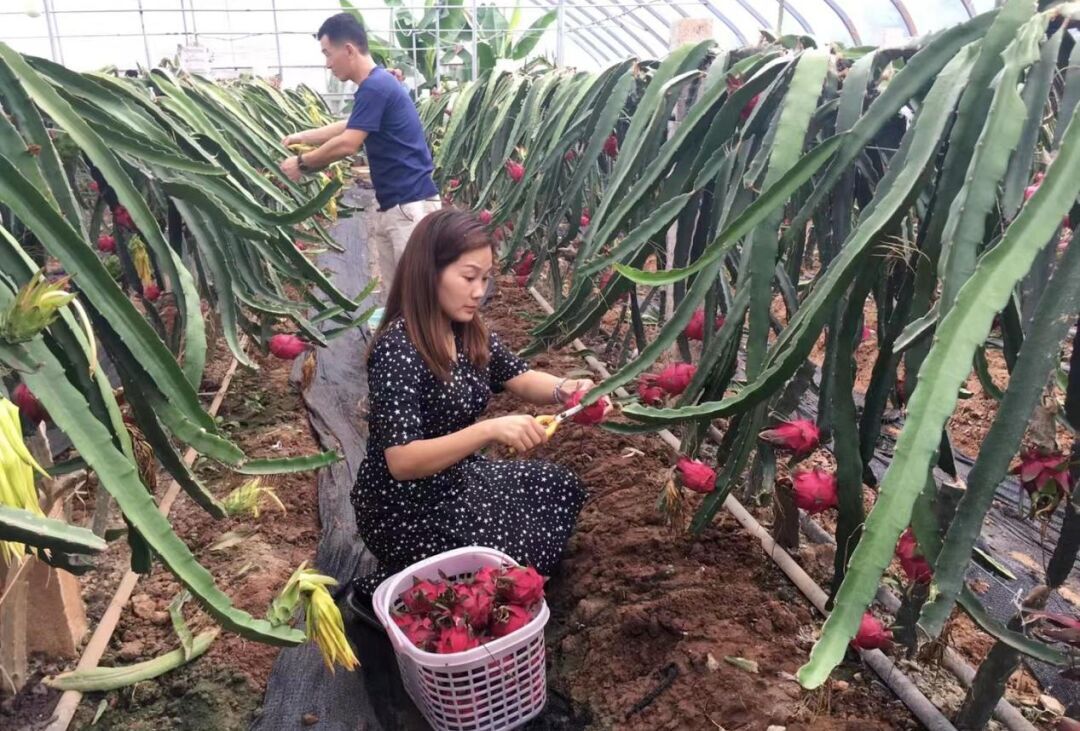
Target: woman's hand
{"type": "Point", "coordinates": [573, 385]}
{"type": "Point", "coordinates": [520, 432]}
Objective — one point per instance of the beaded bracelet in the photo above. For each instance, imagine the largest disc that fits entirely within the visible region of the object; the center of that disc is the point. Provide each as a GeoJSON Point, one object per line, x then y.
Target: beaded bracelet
{"type": "Point", "coordinates": [557, 392]}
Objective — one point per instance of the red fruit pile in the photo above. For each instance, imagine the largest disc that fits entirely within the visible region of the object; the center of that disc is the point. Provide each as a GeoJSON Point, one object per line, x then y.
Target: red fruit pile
{"type": "Point", "coordinates": [445, 617]}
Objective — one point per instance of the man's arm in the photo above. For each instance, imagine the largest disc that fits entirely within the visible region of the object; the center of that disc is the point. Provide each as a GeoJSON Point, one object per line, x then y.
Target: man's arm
{"type": "Point", "coordinates": [315, 136]}
{"type": "Point", "coordinates": [336, 148]}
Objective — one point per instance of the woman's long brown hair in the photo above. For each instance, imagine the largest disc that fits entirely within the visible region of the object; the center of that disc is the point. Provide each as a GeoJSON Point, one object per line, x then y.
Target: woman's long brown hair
{"type": "Point", "coordinates": [436, 242]}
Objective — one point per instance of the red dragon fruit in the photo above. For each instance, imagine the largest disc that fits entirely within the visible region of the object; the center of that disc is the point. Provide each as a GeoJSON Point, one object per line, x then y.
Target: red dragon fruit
{"type": "Point", "coordinates": [286, 346]}
{"type": "Point", "coordinates": [611, 146]}
{"type": "Point", "coordinates": [676, 377]}
{"type": "Point", "coordinates": [1035, 183]}
{"type": "Point", "coordinates": [515, 170]}
{"type": "Point", "coordinates": [523, 268]}
{"type": "Point", "coordinates": [590, 415]}
{"type": "Point", "coordinates": [915, 566]}
{"type": "Point", "coordinates": [420, 598]}
{"type": "Point", "coordinates": [420, 631]}
{"type": "Point", "coordinates": [570, 156]}
{"type": "Point", "coordinates": [458, 638]}
{"type": "Point", "coordinates": [584, 220]}
{"type": "Point", "coordinates": [122, 218]}
{"type": "Point", "coordinates": [509, 618]}
{"type": "Point", "coordinates": [476, 604]}
{"type": "Point", "coordinates": [106, 244]}
{"type": "Point", "coordinates": [94, 186]}
{"type": "Point", "coordinates": [152, 292]}
{"type": "Point", "coordinates": [28, 404]}
{"type": "Point", "coordinates": [1036, 469]}
{"type": "Point", "coordinates": [521, 585]}
{"type": "Point", "coordinates": [486, 577]}
{"type": "Point", "coordinates": [696, 475]}
{"type": "Point", "coordinates": [695, 330]}
{"type": "Point", "coordinates": [649, 393]}
{"type": "Point", "coordinates": [800, 437]}
{"type": "Point", "coordinates": [485, 217]}
{"type": "Point", "coordinates": [872, 634]}
{"type": "Point", "coordinates": [734, 83]}
{"type": "Point", "coordinates": [815, 490]}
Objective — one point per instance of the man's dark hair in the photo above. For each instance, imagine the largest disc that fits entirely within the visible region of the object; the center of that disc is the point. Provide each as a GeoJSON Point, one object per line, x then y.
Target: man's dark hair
{"type": "Point", "coordinates": [344, 28]}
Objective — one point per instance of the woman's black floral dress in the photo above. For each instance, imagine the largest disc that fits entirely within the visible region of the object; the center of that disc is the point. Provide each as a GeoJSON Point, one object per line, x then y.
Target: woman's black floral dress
{"type": "Point", "coordinates": [525, 508]}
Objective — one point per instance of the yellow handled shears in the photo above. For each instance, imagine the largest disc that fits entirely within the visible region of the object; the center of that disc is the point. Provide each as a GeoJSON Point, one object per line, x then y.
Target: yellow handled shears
{"type": "Point", "coordinates": [551, 422]}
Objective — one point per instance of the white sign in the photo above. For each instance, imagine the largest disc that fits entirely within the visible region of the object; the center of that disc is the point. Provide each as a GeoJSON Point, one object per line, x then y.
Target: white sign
{"type": "Point", "coordinates": [195, 59]}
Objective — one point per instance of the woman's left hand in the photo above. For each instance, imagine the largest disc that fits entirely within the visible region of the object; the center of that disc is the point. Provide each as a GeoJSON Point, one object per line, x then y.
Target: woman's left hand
{"type": "Point", "coordinates": [573, 385]}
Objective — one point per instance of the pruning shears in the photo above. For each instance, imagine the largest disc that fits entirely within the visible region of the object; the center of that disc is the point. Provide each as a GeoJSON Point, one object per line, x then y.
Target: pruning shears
{"type": "Point", "coordinates": [551, 422]}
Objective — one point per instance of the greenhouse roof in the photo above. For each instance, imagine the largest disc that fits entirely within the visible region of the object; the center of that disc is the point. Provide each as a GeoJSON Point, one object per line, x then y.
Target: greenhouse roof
{"type": "Point", "coordinates": [275, 36]}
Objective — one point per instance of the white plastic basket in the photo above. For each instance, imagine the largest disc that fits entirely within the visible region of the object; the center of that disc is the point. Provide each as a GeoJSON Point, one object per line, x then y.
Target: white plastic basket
{"type": "Point", "coordinates": [498, 685]}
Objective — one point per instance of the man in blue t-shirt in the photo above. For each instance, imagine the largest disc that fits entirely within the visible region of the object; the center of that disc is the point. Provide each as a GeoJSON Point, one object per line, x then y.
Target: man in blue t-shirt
{"type": "Point", "coordinates": [385, 122]}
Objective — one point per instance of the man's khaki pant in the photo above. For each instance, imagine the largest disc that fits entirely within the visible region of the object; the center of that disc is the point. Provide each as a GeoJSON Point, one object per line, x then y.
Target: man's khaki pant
{"type": "Point", "coordinates": [390, 231]}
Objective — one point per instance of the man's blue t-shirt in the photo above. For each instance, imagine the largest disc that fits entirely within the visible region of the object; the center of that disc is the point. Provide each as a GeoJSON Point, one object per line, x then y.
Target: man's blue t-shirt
{"type": "Point", "coordinates": [396, 147]}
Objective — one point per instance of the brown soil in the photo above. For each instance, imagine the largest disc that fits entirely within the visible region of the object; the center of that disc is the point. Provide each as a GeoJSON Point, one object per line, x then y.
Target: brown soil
{"type": "Point", "coordinates": [263, 414]}
{"type": "Point", "coordinates": [635, 599]}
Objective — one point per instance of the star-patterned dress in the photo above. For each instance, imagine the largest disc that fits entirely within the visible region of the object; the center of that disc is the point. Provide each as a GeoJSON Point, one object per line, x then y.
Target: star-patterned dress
{"type": "Point", "coordinates": [525, 508]}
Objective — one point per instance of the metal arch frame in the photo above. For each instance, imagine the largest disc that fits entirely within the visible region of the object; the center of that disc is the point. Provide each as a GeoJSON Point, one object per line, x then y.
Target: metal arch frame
{"type": "Point", "coordinates": [783, 3]}
{"type": "Point", "coordinates": [567, 8]}
{"type": "Point", "coordinates": [739, 35]}
{"type": "Point", "coordinates": [590, 26]}
{"type": "Point", "coordinates": [599, 22]}
{"type": "Point", "coordinates": [905, 16]}
{"type": "Point", "coordinates": [630, 13]}
{"type": "Point", "coordinates": [848, 23]}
